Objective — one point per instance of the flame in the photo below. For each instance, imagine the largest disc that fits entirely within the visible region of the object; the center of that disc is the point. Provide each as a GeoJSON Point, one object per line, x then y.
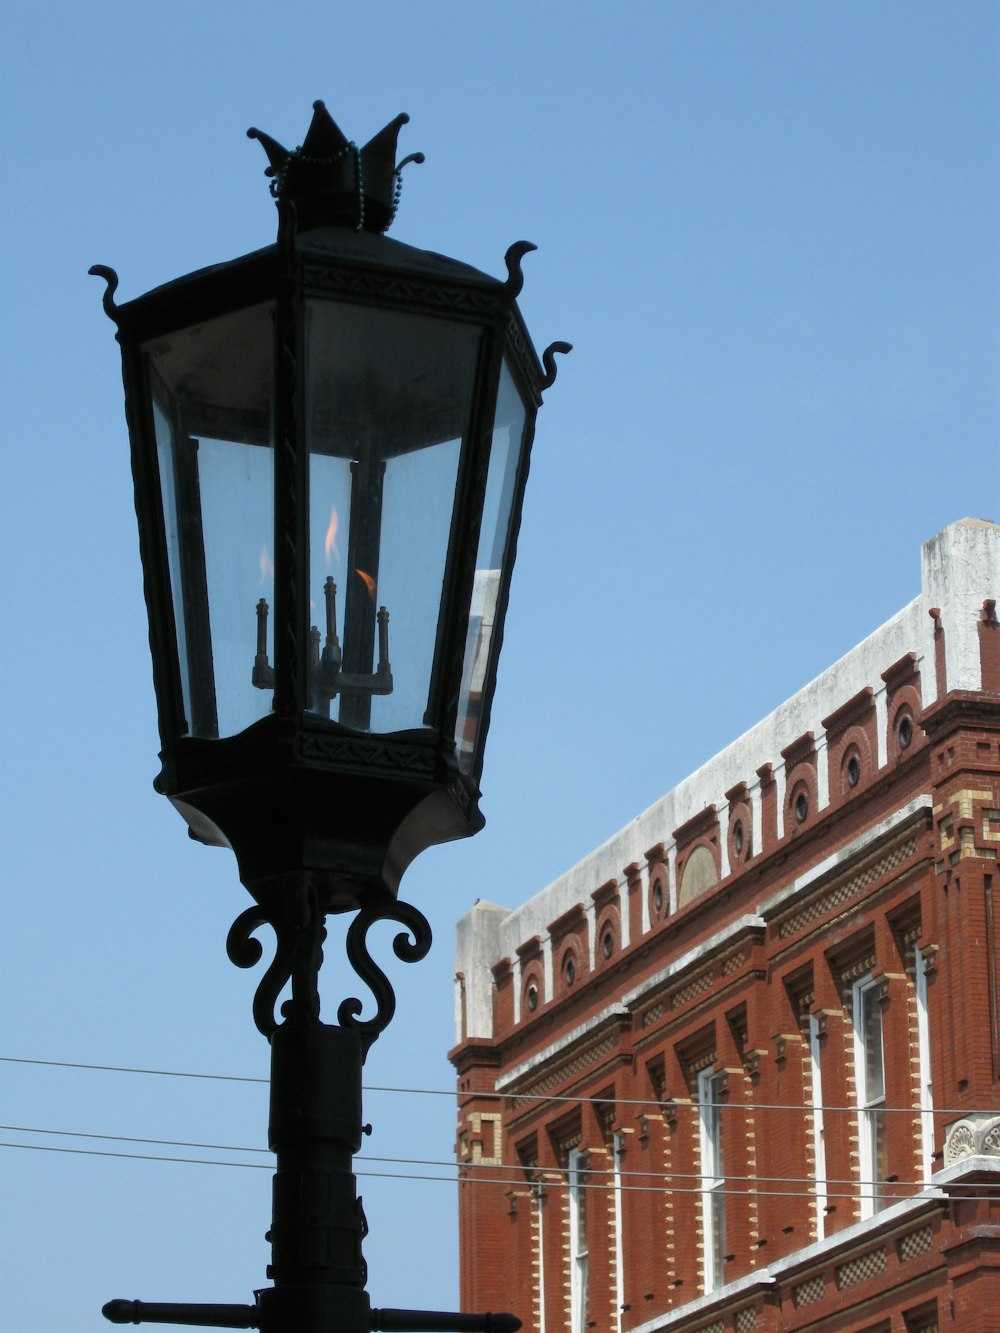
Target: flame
{"type": "Point", "coordinates": [266, 566]}
{"type": "Point", "coordinates": [368, 581]}
{"type": "Point", "coordinates": [331, 537]}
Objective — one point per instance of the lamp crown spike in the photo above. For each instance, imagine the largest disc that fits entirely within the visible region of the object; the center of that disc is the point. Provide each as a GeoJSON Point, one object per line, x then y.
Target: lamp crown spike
{"type": "Point", "coordinates": [333, 182]}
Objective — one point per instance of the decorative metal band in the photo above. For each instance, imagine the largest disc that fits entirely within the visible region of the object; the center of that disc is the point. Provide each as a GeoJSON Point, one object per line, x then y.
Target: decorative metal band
{"type": "Point", "coordinates": [373, 754]}
{"type": "Point", "coordinates": [521, 351]}
{"type": "Point", "coordinates": [324, 279]}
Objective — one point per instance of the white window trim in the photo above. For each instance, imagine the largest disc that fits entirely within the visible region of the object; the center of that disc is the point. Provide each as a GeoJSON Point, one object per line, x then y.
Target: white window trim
{"type": "Point", "coordinates": [617, 1152]}
{"type": "Point", "coordinates": [868, 1187]}
{"type": "Point", "coordinates": [713, 1178]}
{"type": "Point", "coordinates": [818, 1127]}
{"type": "Point", "coordinates": [924, 1064]}
{"type": "Point", "coordinates": [539, 1202]}
{"type": "Point", "coordinates": [578, 1251]}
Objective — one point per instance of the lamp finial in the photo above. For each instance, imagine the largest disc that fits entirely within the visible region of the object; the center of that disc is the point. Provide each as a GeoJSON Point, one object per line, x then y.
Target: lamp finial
{"type": "Point", "coordinates": [333, 182]}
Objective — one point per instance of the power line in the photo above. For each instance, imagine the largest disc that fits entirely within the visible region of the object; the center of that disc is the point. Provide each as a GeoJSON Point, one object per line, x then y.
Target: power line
{"type": "Point", "coordinates": [885, 1193]}
{"type": "Point", "coordinates": [605, 1176]}
{"type": "Point", "coordinates": [126, 1069]}
{"type": "Point", "coordinates": [650, 1102]}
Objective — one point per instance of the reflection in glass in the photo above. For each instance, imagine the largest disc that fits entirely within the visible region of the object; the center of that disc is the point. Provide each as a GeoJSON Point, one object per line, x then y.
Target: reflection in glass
{"type": "Point", "coordinates": [389, 405]}
{"type": "Point", "coordinates": [210, 391]}
{"type": "Point", "coordinates": [870, 1075]}
{"type": "Point", "coordinates": [501, 479]}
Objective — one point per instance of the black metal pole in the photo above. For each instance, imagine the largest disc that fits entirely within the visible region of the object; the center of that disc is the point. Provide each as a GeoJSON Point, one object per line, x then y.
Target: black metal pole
{"type": "Point", "coordinates": [318, 1222]}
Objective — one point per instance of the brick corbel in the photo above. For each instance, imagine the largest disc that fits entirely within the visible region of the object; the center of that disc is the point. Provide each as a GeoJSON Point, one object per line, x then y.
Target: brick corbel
{"type": "Point", "coordinates": [752, 1058]}
{"type": "Point", "coordinates": [929, 953]}
{"type": "Point", "coordinates": [886, 983]}
{"type": "Point", "coordinates": [782, 1041]}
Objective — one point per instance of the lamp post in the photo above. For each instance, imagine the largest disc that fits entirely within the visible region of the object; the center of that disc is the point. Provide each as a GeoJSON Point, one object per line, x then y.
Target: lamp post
{"type": "Point", "coordinates": [330, 442]}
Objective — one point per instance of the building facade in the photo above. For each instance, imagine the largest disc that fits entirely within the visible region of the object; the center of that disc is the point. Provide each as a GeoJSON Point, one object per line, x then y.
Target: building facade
{"type": "Point", "coordinates": [739, 1069]}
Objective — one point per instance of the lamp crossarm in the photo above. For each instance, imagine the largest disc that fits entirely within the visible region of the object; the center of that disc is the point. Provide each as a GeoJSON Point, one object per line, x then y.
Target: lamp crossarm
{"type": "Point", "coordinates": [252, 1316]}
{"type": "Point", "coordinates": [202, 1316]}
{"type": "Point", "coordinates": [441, 1321]}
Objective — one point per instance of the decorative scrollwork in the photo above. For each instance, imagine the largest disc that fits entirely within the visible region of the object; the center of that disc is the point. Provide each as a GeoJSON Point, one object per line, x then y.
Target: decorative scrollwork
{"type": "Point", "coordinates": [111, 280]}
{"type": "Point", "coordinates": [300, 933]}
{"type": "Point", "coordinates": [513, 257]}
{"type": "Point", "coordinates": [410, 946]}
{"type": "Point", "coordinates": [296, 911]}
{"type": "Point", "coordinates": [549, 362]}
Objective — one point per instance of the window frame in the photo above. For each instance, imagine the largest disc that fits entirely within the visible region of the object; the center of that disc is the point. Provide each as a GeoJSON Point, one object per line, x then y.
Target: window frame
{"type": "Point", "coordinates": [713, 1179]}
{"type": "Point", "coordinates": [871, 1097]}
{"type": "Point", "coordinates": [920, 960]}
{"type": "Point", "coordinates": [579, 1251]}
{"type": "Point", "coordinates": [818, 1126]}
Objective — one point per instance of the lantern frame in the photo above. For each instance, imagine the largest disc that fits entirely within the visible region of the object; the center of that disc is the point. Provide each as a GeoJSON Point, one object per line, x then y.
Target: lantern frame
{"type": "Point", "coordinates": [294, 791]}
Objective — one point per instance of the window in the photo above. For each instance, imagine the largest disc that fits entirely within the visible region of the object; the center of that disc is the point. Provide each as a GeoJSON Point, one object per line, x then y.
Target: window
{"type": "Point", "coordinates": [818, 1130]}
{"type": "Point", "coordinates": [578, 1250]}
{"type": "Point", "coordinates": [713, 1181]}
{"type": "Point", "coordinates": [869, 1075]}
{"type": "Point", "coordinates": [618, 1152]}
{"type": "Point", "coordinates": [924, 1058]}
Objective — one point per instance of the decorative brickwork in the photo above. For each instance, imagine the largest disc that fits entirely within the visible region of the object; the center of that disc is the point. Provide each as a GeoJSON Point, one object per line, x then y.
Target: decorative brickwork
{"type": "Point", "coordinates": [695, 987]}
{"type": "Point", "coordinates": [846, 890]}
{"type": "Point", "coordinates": [861, 1269]}
{"type": "Point", "coordinates": [914, 1244]}
{"type": "Point", "coordinates": [734, 962]}
{"type": "Point", "coordinates": [839, 982]}
{"type": "Point", "coordinates": [808, 1293]}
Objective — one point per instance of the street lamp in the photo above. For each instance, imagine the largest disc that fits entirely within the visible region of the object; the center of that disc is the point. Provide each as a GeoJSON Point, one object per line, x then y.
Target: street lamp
{"type": "Point", "coordinates": [330, 442]}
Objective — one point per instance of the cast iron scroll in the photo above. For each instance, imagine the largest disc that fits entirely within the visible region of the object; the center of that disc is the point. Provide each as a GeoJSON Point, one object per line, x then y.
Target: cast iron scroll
{"type": "Point", "coordinates": [549, 362]}
{"type": "Point", "coordinates": [111, 286]}
{"type": "Point", "coordinates": [297, 918]}
{"type": "Point", "coordinates": [411, 948]}
{"type": "Point", "coordinates": [300, 932]}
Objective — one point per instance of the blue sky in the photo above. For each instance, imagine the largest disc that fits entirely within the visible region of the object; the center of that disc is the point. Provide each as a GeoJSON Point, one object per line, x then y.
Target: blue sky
{"type": "Point", "coordinates": [770, 231]}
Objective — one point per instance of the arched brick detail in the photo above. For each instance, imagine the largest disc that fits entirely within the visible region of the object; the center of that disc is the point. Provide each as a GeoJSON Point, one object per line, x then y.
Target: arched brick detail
{"type": "Point", "coordinates": [532, 977]}
{"type": "Point", "coordinates": [740, 818]}
{"type": "Point", "coordinates": [801, 782]}
{"type": "Point", "coordinates": [852, 742]}
{"type": "Point", "coordinates": [697, 872]}
{"type": "Point", "coordinates": [569, 953]}
{"type": "Point", "coordinates": [905, 703]}
{"type": "Point", "coordinates": [608, 922]}
{"type": "Point", "coordinates": [659, 894]}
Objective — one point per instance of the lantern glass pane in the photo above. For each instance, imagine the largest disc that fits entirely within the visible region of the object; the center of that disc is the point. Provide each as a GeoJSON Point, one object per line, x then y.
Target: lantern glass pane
{"type": "Point", "coordinates": [501, 483]}
{"type": "Point", "coordinates": [389, 404]}
{"type": "Point", "coordinates": [211, 398]}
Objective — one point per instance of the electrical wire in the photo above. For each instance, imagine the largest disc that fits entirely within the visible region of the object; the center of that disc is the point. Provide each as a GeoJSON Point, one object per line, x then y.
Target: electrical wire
{"type": "Point", "coordinates": [605, 1176]}
{"type": "Point", "coordinates": [649, 1102]}
{"type": "Point", "coordinates": [894, 1193]}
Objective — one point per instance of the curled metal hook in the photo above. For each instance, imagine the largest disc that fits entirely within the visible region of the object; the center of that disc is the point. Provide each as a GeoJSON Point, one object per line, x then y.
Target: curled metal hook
{"type": "Point", "coordinates": [513, 257]}
{"type": "Point", "coordinates": [409, 945]}
{"type": "Point", "coordinates": [246, 952]}
{"type": "Point", "coordinates": [549, 362]}
{"type": "Point", "coordinates": [111, 280]}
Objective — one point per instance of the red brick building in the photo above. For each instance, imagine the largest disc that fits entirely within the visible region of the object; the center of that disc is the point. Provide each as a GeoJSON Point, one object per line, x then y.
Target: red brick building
{"type": "Point", "coordinates": [748, 1052]}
